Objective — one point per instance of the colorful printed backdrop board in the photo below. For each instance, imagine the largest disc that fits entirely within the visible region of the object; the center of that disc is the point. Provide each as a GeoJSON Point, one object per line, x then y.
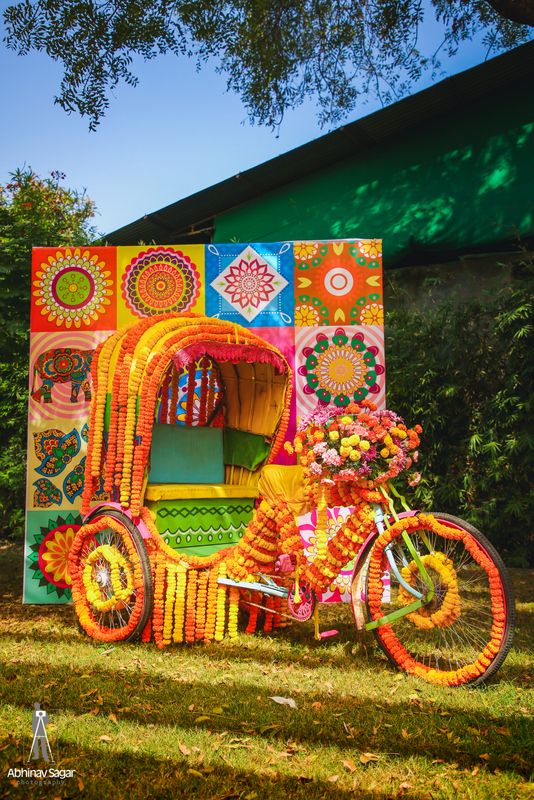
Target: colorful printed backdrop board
{"type": "Point", "coordinates": [319, 302]}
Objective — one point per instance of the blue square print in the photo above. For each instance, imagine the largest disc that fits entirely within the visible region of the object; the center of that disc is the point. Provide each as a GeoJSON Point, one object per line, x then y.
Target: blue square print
{"type": "Point", "coordinates": [251, 284]}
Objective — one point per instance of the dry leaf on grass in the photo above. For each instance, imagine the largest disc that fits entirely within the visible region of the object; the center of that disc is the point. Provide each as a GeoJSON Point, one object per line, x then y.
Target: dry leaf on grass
{"type": "Point", "coordinates": [184, 750]}
{"type": "Point", "coordinates": [349, 764]}
{"type": "Point", "coordinates": [195, 772]}
{"type": "Point", "coordinates": [366, 758]}
{"type": "Point", "coordinates": [284, 701]}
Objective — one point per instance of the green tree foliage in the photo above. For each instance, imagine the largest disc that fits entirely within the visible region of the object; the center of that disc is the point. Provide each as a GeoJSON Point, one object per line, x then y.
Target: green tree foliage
{"type": "Point", "coordinates": [274, 53]}
{"type": "Point", "coordinates": [34, 212]}
{"type": "Point", "coordinates": [465, 372]}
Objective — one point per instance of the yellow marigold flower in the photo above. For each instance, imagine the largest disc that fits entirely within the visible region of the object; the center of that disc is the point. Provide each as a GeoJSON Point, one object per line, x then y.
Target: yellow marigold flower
{"type": "Point", "coordinates": [354, 455]}
{"type": "Point", "coordinates": [346, 420]}
{"type": "Point", "coordinates": [344, 451]}
{"type": "Point", "coordinates": [384, 452]}
{"type": "Point", "coordinates": [333, 436]}
{"type": "Point", "coordinates": [354, 439]}
{"type": "Point", "coordinates": [365, 445]}
{"type": "Point", "coordinates": [345, 442]}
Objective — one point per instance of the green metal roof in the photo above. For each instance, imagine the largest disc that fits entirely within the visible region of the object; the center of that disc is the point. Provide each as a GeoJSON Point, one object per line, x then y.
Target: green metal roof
{"type": "Point", "coordinates": [192, 219]}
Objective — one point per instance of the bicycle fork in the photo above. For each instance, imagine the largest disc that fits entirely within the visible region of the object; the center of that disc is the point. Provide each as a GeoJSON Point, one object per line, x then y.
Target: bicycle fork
{"type": "Point", "coordinates": [421, 598]}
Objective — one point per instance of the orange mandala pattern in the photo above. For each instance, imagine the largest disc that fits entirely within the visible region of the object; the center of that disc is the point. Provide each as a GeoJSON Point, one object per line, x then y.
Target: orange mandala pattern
{"type": "Point", "coordinates": [338, 283]}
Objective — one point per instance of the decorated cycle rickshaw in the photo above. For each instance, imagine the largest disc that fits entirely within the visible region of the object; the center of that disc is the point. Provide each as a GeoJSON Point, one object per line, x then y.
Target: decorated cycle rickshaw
{"type": "Point", "coordinates": [199, 534]}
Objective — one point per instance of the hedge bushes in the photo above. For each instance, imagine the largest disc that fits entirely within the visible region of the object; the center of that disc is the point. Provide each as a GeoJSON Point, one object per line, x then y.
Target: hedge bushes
{"type": "Point", "coordinates": [465, 372]}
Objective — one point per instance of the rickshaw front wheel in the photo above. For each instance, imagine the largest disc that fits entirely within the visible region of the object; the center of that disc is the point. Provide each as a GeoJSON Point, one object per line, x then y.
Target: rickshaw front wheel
{"type": "Point", "coordinates": [111, 577]}
{"type": "Point", "coordinates": [462, 633]}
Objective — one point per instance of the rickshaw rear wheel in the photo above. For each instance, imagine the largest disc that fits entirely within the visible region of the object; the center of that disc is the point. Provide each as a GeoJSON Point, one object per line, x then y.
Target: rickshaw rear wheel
{"type": "Point", "coordinates": [111, 577]}
{"type": "Point", "coordinates": [463, 634]}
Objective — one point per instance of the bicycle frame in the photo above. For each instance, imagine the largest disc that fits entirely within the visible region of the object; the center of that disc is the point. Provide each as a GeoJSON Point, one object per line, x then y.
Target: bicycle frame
{"type": "Point", "coordinates": [267, 586]}
{"type": "Point", "coordinates": [381, 524]}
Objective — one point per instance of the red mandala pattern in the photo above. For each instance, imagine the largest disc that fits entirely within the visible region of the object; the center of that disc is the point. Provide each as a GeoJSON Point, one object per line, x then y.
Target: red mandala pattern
{"type": "Point", "coordinates": [160, 280]}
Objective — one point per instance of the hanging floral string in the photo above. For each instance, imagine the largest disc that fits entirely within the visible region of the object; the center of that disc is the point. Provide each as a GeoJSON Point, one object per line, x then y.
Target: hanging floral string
{"type": "Point", "coordinates": [203, 406]}
{"type": "Point", "coordinates": [165, 386]}
{"type": "Point", "coordinates": [174, 395]}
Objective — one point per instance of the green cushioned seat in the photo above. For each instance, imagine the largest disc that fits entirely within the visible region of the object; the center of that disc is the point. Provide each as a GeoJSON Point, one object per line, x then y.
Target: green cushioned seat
{"type": "Point", "coordinates": [243, 449]}
{"type": "Point", "coordinates": [182, 454]}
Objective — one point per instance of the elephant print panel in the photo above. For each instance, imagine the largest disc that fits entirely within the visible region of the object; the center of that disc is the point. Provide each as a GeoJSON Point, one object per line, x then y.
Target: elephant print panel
{"type": "Point", "coordinates": [60, 374]}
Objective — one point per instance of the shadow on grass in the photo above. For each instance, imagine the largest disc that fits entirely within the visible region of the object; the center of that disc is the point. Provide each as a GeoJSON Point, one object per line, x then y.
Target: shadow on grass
{"type": "Point", "coordinates": [404, 726]}
{"type": "Point", "coordinates": [119, 775]}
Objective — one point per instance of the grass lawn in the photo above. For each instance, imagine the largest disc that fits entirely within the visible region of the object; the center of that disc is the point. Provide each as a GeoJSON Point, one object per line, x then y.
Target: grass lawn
{"type": "Point", "coordinates": [136, 722]}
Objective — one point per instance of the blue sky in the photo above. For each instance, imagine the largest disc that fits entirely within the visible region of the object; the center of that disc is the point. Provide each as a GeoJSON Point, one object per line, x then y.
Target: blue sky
{"type": "Point", "coordinates": [175, 133]}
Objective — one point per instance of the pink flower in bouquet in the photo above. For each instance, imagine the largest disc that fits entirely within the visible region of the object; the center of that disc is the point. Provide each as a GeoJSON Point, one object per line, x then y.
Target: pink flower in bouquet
{"type": "Point", "coordinates": [332, 458]}
{"type": "Point", "coordinates": [320, 448]}
{"type": "Point", "coordinates": [415, 479]}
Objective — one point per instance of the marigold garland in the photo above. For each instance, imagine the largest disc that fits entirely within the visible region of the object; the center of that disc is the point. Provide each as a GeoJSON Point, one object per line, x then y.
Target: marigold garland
{"type": "Point", "coordinates": [221, 607]}
{"type": "Point", "coordinates": [179, 604]}
{"type": "Point", "coordinates": [190, 605]}
{"type": "Point", "coordinates": [201, 605]}
{"type": "Point", "coordinates": [211, 609]}
{"type": "Point", "coordinates": [233, 611]}
{"type": "Point", "coordinates": [450, 609]}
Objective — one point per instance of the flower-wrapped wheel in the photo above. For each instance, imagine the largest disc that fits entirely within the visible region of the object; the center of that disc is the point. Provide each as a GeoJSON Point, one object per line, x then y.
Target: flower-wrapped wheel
{"type": "Point", "coordinates": [111, 577]}
{"type": "Point", "coordinates": [463, 629]}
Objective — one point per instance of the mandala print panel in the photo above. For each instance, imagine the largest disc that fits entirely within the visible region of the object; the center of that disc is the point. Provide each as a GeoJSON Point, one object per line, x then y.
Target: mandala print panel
{"type": "Point", "coordinates": [73, 289]}
{"type": "Point", "coordinates": [48, 542]}
{"type": "Point", "coordinates": [251, 284]}
{"type": "Point", "coordinates": [338, 283]}
{"type": "Point", "coordinates": [158, 280]}
{"type": "Point", "coordinates": [339, 365]}
{"type": "Point", "coordinates": [339, 589]}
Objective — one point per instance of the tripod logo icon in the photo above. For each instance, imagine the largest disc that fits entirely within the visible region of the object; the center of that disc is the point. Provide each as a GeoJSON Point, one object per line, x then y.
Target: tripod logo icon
{"type": "Point", "coordinates": [40, 745]}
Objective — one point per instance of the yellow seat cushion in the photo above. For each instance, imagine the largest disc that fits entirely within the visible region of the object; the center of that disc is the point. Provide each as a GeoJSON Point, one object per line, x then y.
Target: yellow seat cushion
{"type": "Point", "coordinates": [192, 491]}
{"type": "Point", "coordinates": [284, 483]}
